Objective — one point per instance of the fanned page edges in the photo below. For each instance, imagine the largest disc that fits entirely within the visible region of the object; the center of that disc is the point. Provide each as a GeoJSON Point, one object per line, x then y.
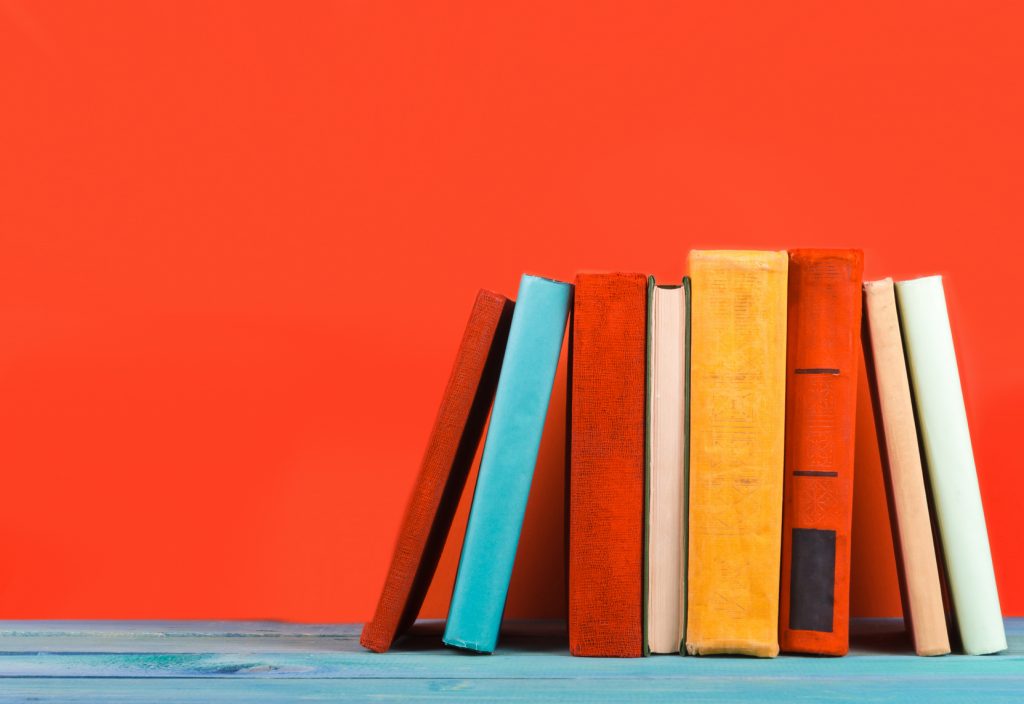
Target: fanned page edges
{"type": "Point", "coordinates": [607, 466]}
{"type": "Point", "coordinates": [823, 330]}
{"type": "Point", "coordinates": [449, 455]}
{"type": "Point", "coordinates": [737, 428]}
{"type": "Point", "coordinates": [664, 564]}
{"type": "Point", "coordinates": [913, 541]}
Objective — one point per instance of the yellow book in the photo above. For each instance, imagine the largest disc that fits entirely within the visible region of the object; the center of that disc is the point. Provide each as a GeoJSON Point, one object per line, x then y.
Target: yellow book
{"type": "Point", "coordinates": [737, 433]}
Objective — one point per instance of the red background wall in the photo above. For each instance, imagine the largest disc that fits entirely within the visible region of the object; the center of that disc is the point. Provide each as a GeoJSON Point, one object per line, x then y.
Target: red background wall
{"type": "Point", "coordinates": [240, 241]}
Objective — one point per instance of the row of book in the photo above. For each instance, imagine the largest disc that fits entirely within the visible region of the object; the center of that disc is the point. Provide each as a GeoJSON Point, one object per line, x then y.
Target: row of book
{"type": "Point", "coordinates": [710, 447]}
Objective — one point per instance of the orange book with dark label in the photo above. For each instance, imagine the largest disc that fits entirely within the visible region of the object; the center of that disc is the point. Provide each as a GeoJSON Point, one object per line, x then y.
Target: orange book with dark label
{"type": "Point", "coordinates": [821, 406]}
{"type": "Point", "coordinates": [446, 463]}
{"type": "Point", "coordinates": [606, 465]}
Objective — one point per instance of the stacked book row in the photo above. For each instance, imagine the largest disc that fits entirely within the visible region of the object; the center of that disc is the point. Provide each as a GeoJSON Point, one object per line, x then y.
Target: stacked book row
{"type": "Point", "coordinates": [710, 454]}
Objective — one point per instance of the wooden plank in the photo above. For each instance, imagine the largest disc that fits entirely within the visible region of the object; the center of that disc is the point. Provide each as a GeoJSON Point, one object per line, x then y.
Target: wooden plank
{"type": "Point", "coordinates": [204, 661]}
{"type": "Point", "coordinates": [166, 637]}
{"type": "Point", "coordinates": [449, 664]}
{"type": "Point", "coordinates": [768, 690]}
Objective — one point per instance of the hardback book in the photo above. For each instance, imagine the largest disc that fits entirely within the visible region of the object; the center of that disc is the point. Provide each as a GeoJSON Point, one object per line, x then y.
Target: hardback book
{"type": "Point", "coordinates": [606, 465]}
{"type": "Point", "coordinates": [912, 538]}
{"type": "Point", "coordinates": [668, 339]}
{"type": "Point", "coordinates": [822, 361]}
{"type": "Point", "coordinates": [737, 431]}
{"type": "Point", "coordinates": [506, 467]}
{"type": "Point", "coordinates": [949, 459]}
{"type": "Point", "coordinates": [442, 476]}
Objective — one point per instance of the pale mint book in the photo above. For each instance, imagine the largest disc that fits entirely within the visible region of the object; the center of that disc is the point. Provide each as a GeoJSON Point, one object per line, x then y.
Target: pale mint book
{"type": "Point", "coordinates": [949, 461]}
{"type": "Point", "coordinates": [506, 468]}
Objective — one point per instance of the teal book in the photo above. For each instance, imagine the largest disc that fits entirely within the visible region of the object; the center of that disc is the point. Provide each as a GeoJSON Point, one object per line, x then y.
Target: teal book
{"type": "Point", "coordinates": [506, 468]}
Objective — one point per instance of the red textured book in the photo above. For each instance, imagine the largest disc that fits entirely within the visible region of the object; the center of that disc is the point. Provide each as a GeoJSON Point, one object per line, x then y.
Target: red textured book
{"type": "Point", "coordinates": [823, 333]}
{"type": "Point", "coordinates": [606, 465]}
{"type": "Point", "coordinates": [442, 477]}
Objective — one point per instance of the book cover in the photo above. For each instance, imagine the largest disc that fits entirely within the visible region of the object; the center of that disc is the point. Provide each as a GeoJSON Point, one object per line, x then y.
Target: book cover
{"type": "Point", "coordinates": [606, 465]}
{"type": "Point", "coordinates": [737, 432]}
{"type": "Point", "coordinates": [442, 476]}
{"type": "Point", "coordinates": [667, 461]}
{"type": "Point", "coordinates": [823, 331]}
{"type": "Point", "coordinates": [949, 462]}
{"type": "Point", "coordinates": [506, 468]}
{"type": "Point", "coordinates": [912, 538]}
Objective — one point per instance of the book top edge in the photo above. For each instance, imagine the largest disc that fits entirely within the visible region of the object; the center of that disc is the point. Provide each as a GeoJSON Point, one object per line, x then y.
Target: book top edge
{"type": "Point", "coordinates": [544, 279]}
{"type": "Point", "coordinates": [671, 290]}
{"type": "Point", "coordinates": [485, 293]}
{"type": "Point", "coordinates": [849, 255]}
{"type": "Point", "coordinates": [654, 283]}
{"type": "Point", "coordinates": [878, 284]}
{"type": "Point", "coordinates": [920, 282]}
{"type": "Point", "coordinates": [767, 259]}
{"type": "Point", "coordinates": [612, 274]}
{"type": "Point", "coordinates": [740, 253]}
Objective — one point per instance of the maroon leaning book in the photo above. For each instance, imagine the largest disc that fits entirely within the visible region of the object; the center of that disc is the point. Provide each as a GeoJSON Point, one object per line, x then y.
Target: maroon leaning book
{"type": "Point", "coordinates": [446, 463]}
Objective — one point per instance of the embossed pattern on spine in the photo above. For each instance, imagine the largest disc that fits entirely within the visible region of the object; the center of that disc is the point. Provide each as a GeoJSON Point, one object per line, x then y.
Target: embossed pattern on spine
{"type": "Point", "coordinates": [737, 412]}
{"type": "Point", "coordinates": [823, 330]}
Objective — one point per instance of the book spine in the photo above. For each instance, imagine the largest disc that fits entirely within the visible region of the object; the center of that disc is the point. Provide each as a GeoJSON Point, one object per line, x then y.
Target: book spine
{"type": "Point", "coordinates": [913, 542]}
{"type": "Point", "coordinates": [949, 459]}
{"type": "Point", "coordinates": [737, 422]}
{"type": "Point", "coordinates": [645, 595]}
{"type": "Point", "coordinates": [446, 463]}
{"type": "Point", "coordinates": [685, 542]}
{"type": "Point", "coordinates": [606, 482]}
{"type": "Point", "coordinates": [506, 468]}
{"type": "Point", "coordinates": [823, 329]}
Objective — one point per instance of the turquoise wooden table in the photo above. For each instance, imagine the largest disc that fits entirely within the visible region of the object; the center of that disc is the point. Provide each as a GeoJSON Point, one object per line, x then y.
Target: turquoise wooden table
{"type": "Point", "coordinates": [89, 661]}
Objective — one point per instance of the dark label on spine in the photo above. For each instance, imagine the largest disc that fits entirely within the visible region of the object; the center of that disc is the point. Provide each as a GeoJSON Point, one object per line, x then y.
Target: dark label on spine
{"type": "Point", "coordinates": [812, 580]}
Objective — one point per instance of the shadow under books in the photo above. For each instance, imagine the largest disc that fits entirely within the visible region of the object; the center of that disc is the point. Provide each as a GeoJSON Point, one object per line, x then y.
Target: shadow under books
{"type": "Point", "coordinates": [873, 636]}
{"type": "Point", "coordinates": [548, 636]}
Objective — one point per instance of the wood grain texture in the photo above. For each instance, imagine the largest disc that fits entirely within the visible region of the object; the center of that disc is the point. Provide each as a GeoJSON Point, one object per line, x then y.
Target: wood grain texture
{"type": "Point", "coordinates": [273, 662]}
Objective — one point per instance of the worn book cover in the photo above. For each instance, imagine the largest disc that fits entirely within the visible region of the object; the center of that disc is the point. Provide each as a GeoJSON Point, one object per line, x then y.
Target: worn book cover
{"type": "Point", "coordinates": [737, 434]}
{"type": "Point", "coordinates": [823, 331]}
{"type": "Point", "coordinates": [442, 476]}
{"type": "Point", "coordinates": [912, 538]}
{"type": "Point", "coordinates": [606, 465]}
